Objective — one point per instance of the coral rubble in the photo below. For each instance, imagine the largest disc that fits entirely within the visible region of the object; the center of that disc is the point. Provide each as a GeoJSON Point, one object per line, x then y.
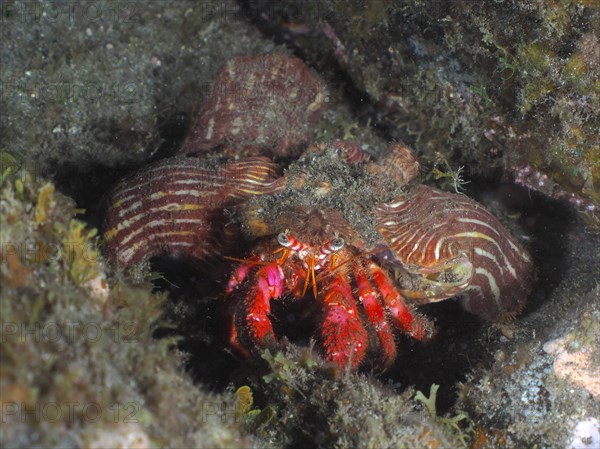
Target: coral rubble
{"type": "Point", "coordinates": [80, 366]}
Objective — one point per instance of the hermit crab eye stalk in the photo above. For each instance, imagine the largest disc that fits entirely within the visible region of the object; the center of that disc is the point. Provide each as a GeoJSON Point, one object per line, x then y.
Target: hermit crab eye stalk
{"type": "Point", "coordinates": [337, 244]}
{"type": "Point", "coordinates": [290, 242]}
{"type": "Point", "coordinates": [331, 247]}
{"type": "Point", "coordinates": [283, 240]}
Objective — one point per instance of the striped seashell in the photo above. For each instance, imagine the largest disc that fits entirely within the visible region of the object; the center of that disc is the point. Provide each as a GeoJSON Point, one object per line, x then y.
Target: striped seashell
{"type": "Point", "coordinates": [176, 206]}
{"type": "Point", "coordinates": [263, 103]}
{"type": "Point", "coordinates": [432, 232]}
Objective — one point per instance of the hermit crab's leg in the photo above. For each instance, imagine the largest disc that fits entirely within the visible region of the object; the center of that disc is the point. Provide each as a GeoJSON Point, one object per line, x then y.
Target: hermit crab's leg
{"type": "Point", "coordinates": [252, 318]}
{"type": "Point", "coordinates": [240, 273]}
{"type": "Point", "coordinates": [344, 337]}
{"type": "Point", "coordinates": [375, 313]}
{"type": "Point", "coordinates": [407, 321]}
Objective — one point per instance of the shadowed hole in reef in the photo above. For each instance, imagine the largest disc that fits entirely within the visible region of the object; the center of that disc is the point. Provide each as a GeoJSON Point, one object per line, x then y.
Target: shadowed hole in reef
{"type": "Point", "coordinates": [462, 343]}
{"type": "Point", "coordinates": [88, 183]}
{"type": "Point", "coordinates": [196, 309]}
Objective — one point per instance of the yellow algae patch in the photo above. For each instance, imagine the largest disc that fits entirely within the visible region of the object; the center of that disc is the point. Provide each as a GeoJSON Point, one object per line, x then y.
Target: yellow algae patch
{"type": "Point", "coordinates": [44, 202]}
{"type": "Point", "coordinates": [80, 252]}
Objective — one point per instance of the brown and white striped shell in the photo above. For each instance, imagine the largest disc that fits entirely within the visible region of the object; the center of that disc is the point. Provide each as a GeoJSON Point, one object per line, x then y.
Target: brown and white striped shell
{"type": "Point", "coordinates": [177, 206]}
{"type": "Point", "coordinates": [453, 236]}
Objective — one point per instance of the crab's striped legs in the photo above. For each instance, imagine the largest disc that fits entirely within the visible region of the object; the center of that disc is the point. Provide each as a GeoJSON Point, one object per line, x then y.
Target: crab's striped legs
{"type": "Point", "coordinates": [375, 313]}
{"type": "Point", "coordinates": [404, 319]}
{"type": "Point", "coordinates": [345, 339]}
{"type": "Point", "coordinates": [251, 321]}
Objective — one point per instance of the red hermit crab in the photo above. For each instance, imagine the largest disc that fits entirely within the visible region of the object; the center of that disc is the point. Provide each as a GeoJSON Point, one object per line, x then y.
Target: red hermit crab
{"type": "Point", "coordinates": [336, 273]}
{"type": "Point", "coordinates": [355, 236]}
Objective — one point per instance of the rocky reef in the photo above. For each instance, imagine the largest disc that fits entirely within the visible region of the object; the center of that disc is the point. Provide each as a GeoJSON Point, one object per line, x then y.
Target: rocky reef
{"type": "Point", "coordinates": [505, 88]}
{"type": "Point", "coordinates": [80, 366]}
{"type": "Point", "coordinates": [496, 98]}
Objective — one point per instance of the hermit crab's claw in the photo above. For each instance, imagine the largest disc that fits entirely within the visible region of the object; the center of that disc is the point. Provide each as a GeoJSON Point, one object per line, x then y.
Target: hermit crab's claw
{"type": "Point", "coordinates": [344, 337]}
{"type": "Point", "coordinates": [252, 326]}
{"type": "Point", "coordinates": [435, 283]}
